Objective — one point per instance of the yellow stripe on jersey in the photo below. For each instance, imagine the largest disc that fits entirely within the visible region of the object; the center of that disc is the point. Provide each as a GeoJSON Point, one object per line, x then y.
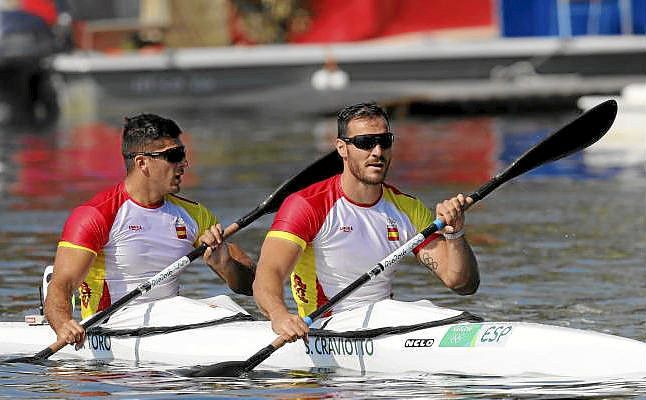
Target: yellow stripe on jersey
{"type": "Point", "coordinates": [303, 283]}
{"type": "Point", "coordinates": [91, 290]}
{"type": "Point", "coordinates": [288, 236]}
{"type": "Point", "coordinates": [420, 216]}
{"type": "Point", "coordinates": [204, 218]}
{"type": "Point", "coordinates": [75, 246]}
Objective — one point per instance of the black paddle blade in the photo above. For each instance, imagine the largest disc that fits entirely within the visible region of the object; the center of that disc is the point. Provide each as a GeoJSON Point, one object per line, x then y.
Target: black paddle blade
{"type": "Point", "coordinates": [580, 133]}
{"type": "Point", "coordinates": [325, 167]}
{"type": "Point", "coordinates": [235, 368]}
{"type": "Point", "coordinates": [26, 360]}
{"type": "Point", "coordinates": [29, 360]}
{"type": "Point", "coordinates": [224, 369]}
{"type": "Point", "coordinates": [37, 358]}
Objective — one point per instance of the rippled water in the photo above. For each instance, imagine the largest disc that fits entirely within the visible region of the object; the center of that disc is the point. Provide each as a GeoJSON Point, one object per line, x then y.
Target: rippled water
{"type": "Point", "coordinates": [563, 245]}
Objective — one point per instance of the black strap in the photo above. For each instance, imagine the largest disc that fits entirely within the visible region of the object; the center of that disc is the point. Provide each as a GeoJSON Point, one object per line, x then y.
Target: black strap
{"type": "Point", "coordinates": [157, 330]}
{"type": "Point", "coordinates": [363, 334]}
{"type": "Point", "coordinates": [393, 330]}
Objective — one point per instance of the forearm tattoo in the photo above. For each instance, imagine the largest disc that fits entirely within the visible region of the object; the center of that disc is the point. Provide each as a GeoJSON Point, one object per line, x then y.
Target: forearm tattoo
{"type": "Point", "coordinates": [429, 263]}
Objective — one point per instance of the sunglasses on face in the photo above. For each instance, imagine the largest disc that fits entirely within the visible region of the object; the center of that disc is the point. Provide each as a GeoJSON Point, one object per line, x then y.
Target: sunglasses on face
{"type": "Point", "coordinates": [368, 142]}
{"type": "Point", "coordinates": [172, 155]}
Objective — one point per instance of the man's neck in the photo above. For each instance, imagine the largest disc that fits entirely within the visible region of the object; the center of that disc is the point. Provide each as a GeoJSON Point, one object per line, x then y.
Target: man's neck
{"type": "Point", "coordinates": [140, 192]}
{"type": "Point", "coordinates": [360, 192]}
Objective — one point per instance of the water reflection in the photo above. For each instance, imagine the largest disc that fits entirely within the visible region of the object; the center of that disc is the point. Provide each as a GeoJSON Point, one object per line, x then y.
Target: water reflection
{"type": "Point", "coordinates": [59, 170]}
{"type": "Point", "coordinates": [93, 379]}
{"type": "Point", "coordinates": [64, 167]}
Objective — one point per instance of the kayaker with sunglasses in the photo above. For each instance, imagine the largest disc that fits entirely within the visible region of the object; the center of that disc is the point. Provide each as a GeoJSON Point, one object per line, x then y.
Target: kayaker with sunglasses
{"type": "Point", "coordinates": [129, 232]}
{"type": "Point", "coordinates": [330, 233]}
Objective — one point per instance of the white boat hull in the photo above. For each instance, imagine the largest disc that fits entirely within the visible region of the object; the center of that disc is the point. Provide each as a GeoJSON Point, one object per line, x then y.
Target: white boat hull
{"type": "Point", "coordinates": [482, 348]}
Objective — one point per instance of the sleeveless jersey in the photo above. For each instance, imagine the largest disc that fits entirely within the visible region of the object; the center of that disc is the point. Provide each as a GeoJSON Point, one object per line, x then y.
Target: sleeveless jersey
{"type": "Point", "coordinates": [341, 240]}
{"type": "Point", "coordinates": [132, 243]}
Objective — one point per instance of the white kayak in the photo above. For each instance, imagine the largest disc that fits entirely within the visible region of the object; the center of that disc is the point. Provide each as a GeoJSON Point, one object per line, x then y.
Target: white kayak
{"type": "Point", "coordinates": [388, 336]}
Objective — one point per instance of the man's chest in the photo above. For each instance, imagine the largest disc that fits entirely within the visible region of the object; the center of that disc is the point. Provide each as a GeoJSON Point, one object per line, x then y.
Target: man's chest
{"type": "Point", "coordinates": [140, 230]}
{"type": "Point", "coordinates": [364, 231]}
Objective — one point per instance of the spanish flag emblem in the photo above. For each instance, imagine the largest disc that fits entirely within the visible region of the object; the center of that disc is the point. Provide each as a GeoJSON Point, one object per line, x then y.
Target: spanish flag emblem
{"type": "Point", "coordinates": [393, 233]}
{"type": "Point", "coordinates": [180, 228]}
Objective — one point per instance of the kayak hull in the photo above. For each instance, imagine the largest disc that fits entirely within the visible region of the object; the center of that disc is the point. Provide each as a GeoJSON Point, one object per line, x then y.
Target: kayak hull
{"type": "Point", "coordinates": [466, 348]}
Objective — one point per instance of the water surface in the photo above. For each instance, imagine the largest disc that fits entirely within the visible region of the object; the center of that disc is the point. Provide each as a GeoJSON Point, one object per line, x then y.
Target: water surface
{"type": "Point", "coordinates": [562, 245]}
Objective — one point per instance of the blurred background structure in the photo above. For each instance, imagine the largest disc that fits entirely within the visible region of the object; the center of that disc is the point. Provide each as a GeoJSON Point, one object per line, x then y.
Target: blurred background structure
{"type": "Point", "coordinates": [310, 56]}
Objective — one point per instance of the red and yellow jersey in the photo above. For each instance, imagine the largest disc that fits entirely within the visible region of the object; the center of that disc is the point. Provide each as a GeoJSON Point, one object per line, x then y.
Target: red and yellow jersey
{"type": "Point", "coordinates": [132, 243]}
{"type": "Point", "coordinates": [341, 240]}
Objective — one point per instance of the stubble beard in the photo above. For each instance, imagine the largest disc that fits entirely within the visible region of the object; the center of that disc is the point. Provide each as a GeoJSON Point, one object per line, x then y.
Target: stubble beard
{"type": "Point", "coordinates": [362, 177]}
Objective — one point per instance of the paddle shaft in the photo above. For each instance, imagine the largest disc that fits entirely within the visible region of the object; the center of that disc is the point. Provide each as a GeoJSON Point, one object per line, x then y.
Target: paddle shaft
{"type": "Point", "coordinates": [172, 270]}
{"type": "Point", "coordinates": [576, 135]}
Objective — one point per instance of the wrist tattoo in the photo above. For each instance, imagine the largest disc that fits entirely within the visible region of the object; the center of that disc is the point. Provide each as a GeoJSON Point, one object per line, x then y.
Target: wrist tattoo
{"type": "Point", "coordinates": [429, 262]}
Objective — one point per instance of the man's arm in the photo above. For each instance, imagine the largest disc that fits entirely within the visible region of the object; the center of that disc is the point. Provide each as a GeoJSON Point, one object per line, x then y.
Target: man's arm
{"type": "Point", "coordinates": [234, 267]}
{"type": "Point", "coordinates": [71, 266]}
{"type": "Point", "coordinates": [452, 260]}
{"type": "Point", "coordinates": [228, 261]}
{"type": "Point", "coordinates": [277, 260]}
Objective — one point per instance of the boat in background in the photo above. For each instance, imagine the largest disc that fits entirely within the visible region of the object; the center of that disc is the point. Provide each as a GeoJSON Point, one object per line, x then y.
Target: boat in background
{"type": "Point", "coordinates": [387, 336]}
{"type": "Point", "coordinates": [30, 34]}
{"type": "Point", "coordinates": [625, 143]}
{"type": "Point", "coordinates": [425, 71]}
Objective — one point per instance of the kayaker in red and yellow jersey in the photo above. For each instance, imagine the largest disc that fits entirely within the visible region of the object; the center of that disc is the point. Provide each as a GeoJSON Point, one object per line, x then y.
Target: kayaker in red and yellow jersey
{"type": "Point", "coordinates": [128, 233]}
{"type": "Point", "coordinates": [327, 235]}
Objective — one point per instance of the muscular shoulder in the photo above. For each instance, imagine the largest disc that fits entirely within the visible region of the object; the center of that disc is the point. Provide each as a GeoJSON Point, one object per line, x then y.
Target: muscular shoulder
{"type": "Point", "coordinates": [303, 212]}
{"type": "Point", "coordinates": [318, 196]}
{"type": "Point", "coordinates": [88, 224]}
{"type": "Point", "coordinates": [410, 205]}
{"type": "Point", "coordinates": [403, 201]}
{"type": "Point", "coordinates": [199, 212]}
{"type": "Point", "coordinates": [108, 201]}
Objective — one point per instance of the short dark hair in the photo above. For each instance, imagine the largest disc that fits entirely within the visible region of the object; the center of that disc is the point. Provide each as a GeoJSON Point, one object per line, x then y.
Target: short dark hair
{"type": "Point", "coordinates": [359, 110]}
{"type": "Point", "coordinates": [143, 129]}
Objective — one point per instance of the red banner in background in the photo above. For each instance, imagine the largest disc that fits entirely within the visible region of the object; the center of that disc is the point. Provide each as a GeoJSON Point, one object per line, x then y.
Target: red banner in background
{"type": "Point", "coordinates": [45, 9]}
{"type": "Point", "coordinates": [450, 152]}
{"type": "Point", "coordinates": [352, 20]}
{"type": "Point", "coordinates": [453, 151]}
{"type": "Point", "coordinates": [74, 166]}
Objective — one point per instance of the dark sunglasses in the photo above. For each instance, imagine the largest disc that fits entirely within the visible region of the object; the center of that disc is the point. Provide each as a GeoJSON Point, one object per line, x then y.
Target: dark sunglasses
{"type": "Point", "coordinates": [368, 142]}
{"type": "Point", "coordinates": [172, 155]}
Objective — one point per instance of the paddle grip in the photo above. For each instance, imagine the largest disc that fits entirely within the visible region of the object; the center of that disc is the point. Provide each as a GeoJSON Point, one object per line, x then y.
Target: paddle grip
{"type": "Point", "coordinates": [231, 229]}
{"type": "Point", "coordinates": [485, 189]}
{"type": "Point", "coordinates": [197, 252]}
{"type": "Point", "coordinates": [251, 216]}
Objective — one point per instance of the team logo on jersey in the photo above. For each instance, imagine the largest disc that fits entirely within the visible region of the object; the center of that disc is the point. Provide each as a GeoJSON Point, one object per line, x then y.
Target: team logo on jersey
{"type": "Point", "coordinates": [300, 288]}
{"type": "Point", "coordinates": [86, 293]}
{"type": "Point", "coordinates": [346, 228]}
{"type": "Point", "coordinates": [180, 228]}
{"type": "Point", "coordinates": [393, 233]}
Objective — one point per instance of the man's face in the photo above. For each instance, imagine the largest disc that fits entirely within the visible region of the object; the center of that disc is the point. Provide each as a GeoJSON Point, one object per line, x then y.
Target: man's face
{"type": "Point", "coordinates": [369, 166]}
{"type": "Point", "coordinates": [165, 175]}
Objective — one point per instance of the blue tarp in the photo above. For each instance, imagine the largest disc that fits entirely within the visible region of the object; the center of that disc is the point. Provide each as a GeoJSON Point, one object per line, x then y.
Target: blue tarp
{"type": "Point", "coordinates": [572, 18]}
